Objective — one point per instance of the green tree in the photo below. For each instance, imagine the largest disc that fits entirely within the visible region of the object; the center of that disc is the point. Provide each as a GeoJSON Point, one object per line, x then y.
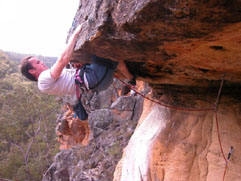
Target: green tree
{"type": "Point", "coordinates": [27, 126]}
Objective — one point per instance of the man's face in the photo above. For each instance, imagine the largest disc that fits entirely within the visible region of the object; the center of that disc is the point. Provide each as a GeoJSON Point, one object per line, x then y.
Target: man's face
{"type": "Point", "coordinates": [38, 66]}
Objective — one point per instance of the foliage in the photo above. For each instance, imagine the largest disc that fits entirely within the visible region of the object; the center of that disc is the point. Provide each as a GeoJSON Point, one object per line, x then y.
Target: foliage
{"type": "Point", "coordinates": [18, 56]}
{"type": "Point", "coordinates": [7, 67]}
{"type": "Point", "coordinates": [27, 126]}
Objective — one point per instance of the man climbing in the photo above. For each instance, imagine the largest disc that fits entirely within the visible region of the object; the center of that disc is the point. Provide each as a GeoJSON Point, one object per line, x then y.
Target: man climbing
{"type": "Point", "coordinates": [57, 80]}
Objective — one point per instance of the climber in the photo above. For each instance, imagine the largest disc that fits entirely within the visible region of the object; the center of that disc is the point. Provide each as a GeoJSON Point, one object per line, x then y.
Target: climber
{"type": "Point", "coordinates": [58, 80]}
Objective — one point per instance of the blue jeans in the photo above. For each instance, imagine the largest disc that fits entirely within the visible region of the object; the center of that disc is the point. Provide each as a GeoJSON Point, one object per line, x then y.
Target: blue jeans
{"type": "Point", "coordinates": [100, 74]}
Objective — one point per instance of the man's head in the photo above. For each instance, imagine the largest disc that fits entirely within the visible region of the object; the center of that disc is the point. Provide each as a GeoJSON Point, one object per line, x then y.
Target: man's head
{"type": "Point", "coordinates": [31, 67]}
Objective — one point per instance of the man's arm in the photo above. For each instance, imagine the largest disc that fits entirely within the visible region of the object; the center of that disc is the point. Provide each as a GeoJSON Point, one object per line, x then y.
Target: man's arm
{"type": "Point", "coordinates": [65, 56]}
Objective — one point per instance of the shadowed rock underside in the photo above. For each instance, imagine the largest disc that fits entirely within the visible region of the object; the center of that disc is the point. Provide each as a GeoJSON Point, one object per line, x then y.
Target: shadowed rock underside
{"type": "Point", "coordinates": [182, 49]}
{"type": "Point", "coordinates": [187, 43]}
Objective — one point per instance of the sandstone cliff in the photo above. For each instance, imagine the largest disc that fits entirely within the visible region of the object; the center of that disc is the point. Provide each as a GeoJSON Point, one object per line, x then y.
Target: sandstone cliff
{"type": "Point", "coordinates": [170, 144]}
{"type": "Point", "coordinates": [183, 49]}
{"type": "Point", "coordinates": [91, 150]}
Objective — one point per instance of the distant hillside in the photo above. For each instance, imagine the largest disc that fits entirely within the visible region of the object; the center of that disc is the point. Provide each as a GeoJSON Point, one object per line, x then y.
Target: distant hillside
{"type": "Point", "coordinates": [7, 66]}
{"type": "Point", "coordinates": [18, 56]}
{"type": "Point", "coordinates": [27, 125]}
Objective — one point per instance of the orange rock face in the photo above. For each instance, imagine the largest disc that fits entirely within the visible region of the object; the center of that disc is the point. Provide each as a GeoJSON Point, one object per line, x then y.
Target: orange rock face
{"type": "Point", "coordinates": [170, 144]}
{"type": "Point", "coordinates": [187, 43]}
{"type": "Point", "coordinates": [182, 49]}
{"type": "Point", "coordinates": [73, 131]}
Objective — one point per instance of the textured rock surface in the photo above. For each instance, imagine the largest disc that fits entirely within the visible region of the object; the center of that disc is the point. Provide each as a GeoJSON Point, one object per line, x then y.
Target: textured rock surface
{"type": "Point", "coordinates": [110, 131]}
{"type": "Point", "coordinates": [164, 41]}
{"type": "Point", "coordinates": [71, 131]}
{"type": "Point", "coordinates": [182, 49]}
{"type": "Point", "coordinates": [179, 145]}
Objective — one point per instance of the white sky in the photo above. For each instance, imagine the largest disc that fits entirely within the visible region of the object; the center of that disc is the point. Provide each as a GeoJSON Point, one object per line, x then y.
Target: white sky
{"type": "Point", "coordinates": [36, 26]}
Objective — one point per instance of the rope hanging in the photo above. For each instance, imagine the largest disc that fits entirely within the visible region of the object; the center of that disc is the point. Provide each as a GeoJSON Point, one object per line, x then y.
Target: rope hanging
{"type": "Point", "coordinates": [189, 109]}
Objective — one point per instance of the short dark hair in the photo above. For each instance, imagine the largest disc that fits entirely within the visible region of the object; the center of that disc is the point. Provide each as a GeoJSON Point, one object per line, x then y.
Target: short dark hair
{"type": "Point", "coordinates": [26, 66]}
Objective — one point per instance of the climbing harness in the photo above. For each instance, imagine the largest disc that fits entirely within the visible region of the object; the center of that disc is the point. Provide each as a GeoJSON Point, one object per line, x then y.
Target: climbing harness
{"type": "Point", "coordinates": [78, 81]}
{"type": "Point", "coordinates": [83, 94]}
{"type": "Point", "coordinates": [188, 109]}
{"type": "Point", "coordinates": [79, 109]}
